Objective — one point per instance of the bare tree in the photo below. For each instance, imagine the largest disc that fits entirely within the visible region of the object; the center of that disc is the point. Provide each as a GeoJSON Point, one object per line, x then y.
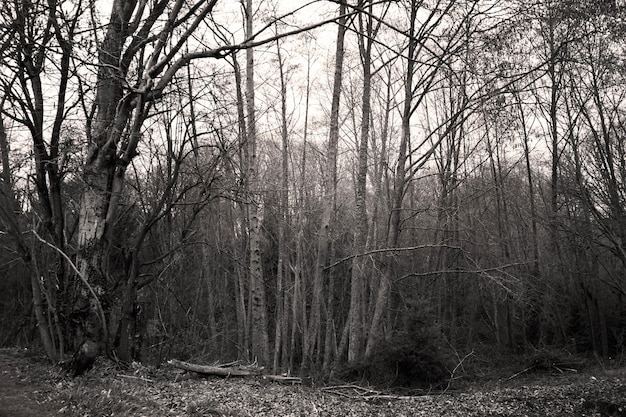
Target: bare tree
{"type": "Point", "coordinates": [260, 340]}
{"type": "Point", "coordinates": [330, 189]}
{"type": "Point", "coordinates": [27, 44]}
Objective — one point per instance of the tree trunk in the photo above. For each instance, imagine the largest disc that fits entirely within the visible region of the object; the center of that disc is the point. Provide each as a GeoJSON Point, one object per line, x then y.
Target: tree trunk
{"type": "Point", "coordinates": [281, 272]}
{"type": "Point", "coordinates": [260, 339]}
{"type": "Point", "coordinates": [399, 181]}
{"type": "Point", "coordinates": [127, 327]}
{"type": "Point", "coordinates": [535, 271]}
{"type": "Point", "coordinates": [357, 288]}
{"type": "Point", "coordinates": [330, 187]}
{"type": "Point", "coordinates": [100, 172]}
{"type": "Point", "coordinates": [243, 333]}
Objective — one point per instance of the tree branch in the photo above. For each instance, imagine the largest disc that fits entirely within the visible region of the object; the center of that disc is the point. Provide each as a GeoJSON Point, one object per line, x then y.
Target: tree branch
{"type": "Point", "coordinates": [101, 315]}
{"type": "Point", "coordinates": [224, 51]}
{"type": "Point", "coordinates": [384, 250]}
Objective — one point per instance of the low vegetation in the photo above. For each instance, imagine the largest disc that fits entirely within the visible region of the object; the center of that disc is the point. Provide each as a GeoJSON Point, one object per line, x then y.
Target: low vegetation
{"type": "Point", "coordinates": [110, 390]}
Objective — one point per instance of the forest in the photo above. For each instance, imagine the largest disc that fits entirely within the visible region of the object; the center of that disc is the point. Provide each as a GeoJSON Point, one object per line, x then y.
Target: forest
{"type": "Point", "coordinates": [315, 185]}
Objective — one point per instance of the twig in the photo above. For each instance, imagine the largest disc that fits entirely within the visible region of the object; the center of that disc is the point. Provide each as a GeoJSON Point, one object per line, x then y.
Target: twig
{"type": "Point", "coordinates": [386, 250]}
{"type": "Point", "coordinates": [135, 377]}
{"type": "Point", "coordinates": [519, 373]}
{"type": "Point", "coordinates": [389, 397]}
{"type": "Point", "coordinates": [346, 386]}
{"type": "Point", "coordinates": [455, 368]}
{"type": "Point", "coordinates": [293, 380]}
{"type": "Point", "coordinates": [361, 393]}
{"type": "Point", "coordinates": [342, 394]}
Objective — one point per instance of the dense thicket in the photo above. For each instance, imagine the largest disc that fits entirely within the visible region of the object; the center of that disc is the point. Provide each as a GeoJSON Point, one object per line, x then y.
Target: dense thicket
{"type": "Point", "coordinates": [441, 174]}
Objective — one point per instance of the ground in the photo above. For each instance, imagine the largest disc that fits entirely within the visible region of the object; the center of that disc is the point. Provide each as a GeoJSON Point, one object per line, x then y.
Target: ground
{"type": "Point", "coordinates": [31, 387]}
{"type": "Point", "coordinates": [22, 394]}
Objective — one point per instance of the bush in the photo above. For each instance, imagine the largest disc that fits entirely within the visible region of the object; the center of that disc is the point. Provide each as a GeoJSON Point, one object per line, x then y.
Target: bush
{"type": "Point", "coordinates": [553, 360]}
{"type": "Point", "coordinates": [402, 362]}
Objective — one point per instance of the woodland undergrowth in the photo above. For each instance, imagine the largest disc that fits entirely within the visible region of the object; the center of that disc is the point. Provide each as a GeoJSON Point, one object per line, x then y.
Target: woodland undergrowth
{"type": "Point", "coordinates": [530, 386]}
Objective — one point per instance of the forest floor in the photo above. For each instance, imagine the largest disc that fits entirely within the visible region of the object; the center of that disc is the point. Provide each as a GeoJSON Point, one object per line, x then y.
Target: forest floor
{"type": "Point", "coordinates": [29, 386]}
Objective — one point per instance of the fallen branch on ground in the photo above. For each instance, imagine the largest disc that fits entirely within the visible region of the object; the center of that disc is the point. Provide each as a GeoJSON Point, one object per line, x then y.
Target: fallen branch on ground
{"type": "Point", "coordinates": [282, 379]}
{"type": "Point", "coordinates": [227, 371]}
{"type": "Point", "coordinates": [214, 370]}
{"type": "Point", "coordinates": [356, 392]}
{"type": "Point", "coordinates": [135, 377]}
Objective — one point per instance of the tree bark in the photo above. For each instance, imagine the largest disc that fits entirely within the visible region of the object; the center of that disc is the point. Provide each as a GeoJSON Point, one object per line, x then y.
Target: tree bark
{"type": "Point", "coordinates": [260, 339]}
{"type": "Point", "coordinates": [281, 272]}
{"type": "Point", "coordinates": [399, 181]}
{"type": "Point", "coordinates": [330, 187]}
{"type": "Point", "coordinates": [98, 173]}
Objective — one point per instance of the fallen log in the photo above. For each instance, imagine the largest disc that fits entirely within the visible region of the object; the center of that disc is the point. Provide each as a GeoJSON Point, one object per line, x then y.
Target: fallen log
{"type": "Point", "coordinates": [213, 370]}
{"type": "Point", "coordinates": [227, 371]}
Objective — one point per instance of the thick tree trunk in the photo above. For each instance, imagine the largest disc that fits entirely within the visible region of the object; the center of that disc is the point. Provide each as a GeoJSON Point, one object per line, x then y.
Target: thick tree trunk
{"type": "Point", "coordinates": [97, 209]}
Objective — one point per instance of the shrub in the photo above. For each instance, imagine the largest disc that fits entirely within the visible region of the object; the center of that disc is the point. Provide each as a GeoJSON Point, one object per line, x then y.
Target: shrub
{"type": "Point", "coordinates": [404, 361]}
{"type": "Point", "coordinates": [553, 360]}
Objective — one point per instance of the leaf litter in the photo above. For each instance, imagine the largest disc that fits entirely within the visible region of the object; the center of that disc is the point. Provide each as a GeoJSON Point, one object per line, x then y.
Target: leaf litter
{"type": "Point", "coordinates": [144, 391]}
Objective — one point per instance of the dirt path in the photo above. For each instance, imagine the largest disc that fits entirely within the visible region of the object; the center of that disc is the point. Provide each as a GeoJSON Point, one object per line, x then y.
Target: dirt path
{"type": "Point", "coordinates": [20, 396]}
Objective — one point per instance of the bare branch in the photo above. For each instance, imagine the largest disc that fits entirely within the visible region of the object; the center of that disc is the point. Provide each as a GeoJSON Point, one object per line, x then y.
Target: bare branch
{"type": "Point", "coordinates": [224, 51]}
{"type": "Point", "coordinates": [101, 315]}
{"type": "Point", "coordinates": [387, 250]}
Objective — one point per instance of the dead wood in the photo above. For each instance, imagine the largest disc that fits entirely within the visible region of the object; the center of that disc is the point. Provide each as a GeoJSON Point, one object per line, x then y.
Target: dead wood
{"type": "Point", "coordinates": [357, 392]}
{"type": "Point", "coordinates": [214, 370]}
{"type": "Point", "coordinates": [282, 379]}
{"type": "Point", "coordinates": [227, 371]}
